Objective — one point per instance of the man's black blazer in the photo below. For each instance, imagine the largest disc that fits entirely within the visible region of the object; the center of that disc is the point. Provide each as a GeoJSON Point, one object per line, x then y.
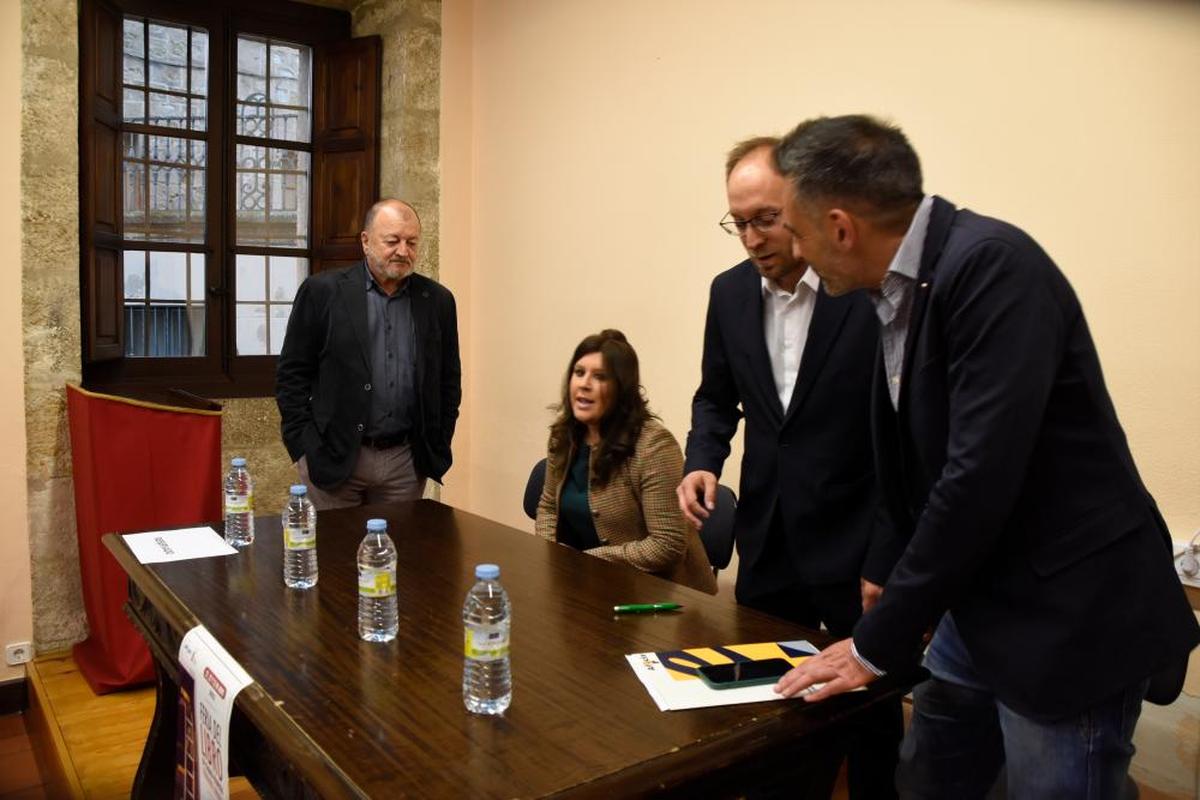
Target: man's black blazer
{"type": "Point", "coordinates": [323, 379]}
{"type": "Point", "coordinates": [814, 462]}
{"type": "Point", "coordinates": [1006, 470]}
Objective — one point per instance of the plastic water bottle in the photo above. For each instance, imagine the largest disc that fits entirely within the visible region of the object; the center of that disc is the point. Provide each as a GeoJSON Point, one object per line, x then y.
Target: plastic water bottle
{"type": "Point", "coordinates": [487, 675]}
{"type": "Point", "coordinates": [299, 540]}
{"type": "Point", "coordinates": [377, 617]}
{"type": "Point", "coordinates": [239, 505]}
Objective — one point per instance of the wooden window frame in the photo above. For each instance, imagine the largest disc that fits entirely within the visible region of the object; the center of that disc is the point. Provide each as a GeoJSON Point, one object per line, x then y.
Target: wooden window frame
{"type": "Point", "coordinates": [340, 65]}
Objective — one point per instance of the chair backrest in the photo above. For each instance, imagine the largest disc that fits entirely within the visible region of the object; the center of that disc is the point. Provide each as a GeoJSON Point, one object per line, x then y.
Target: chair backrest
{"type": "Point", "coordinates": [533, 488]}
{"type": "Point", "coordinates": [717, 533]}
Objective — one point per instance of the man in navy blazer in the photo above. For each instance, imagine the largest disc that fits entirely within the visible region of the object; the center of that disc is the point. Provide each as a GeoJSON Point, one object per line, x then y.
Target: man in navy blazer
{"type": "Point", "coordinates": [369, 380]}
{"type": "Point", "coordinates": [798, 362]}
{"type": "Point", "coordinates": [1032, 543]}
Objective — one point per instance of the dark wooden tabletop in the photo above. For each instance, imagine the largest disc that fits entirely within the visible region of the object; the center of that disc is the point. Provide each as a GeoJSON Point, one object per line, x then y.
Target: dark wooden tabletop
{"type": "Point", "coordinates": [389, 717]}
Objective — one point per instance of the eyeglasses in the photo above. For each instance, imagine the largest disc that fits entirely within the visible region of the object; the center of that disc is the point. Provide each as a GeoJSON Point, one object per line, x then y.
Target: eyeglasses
{"type": "Point", "coordinates": [761, 223]}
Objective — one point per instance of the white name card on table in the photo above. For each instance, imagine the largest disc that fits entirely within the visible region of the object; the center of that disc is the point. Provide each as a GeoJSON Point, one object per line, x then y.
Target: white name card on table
{"type": "Point", "coordinates": [209, 681]}
{"type": "Point", "coordinates": [181, 544]}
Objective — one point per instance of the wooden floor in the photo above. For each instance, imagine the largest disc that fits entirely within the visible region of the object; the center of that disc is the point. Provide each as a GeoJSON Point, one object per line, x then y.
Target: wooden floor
{"type": "Point", "coordinates": [19, 773]}
{"type": "Point", "coordinates": [99, 738]}
{"type": "Point", "coordinates": [86, 746]}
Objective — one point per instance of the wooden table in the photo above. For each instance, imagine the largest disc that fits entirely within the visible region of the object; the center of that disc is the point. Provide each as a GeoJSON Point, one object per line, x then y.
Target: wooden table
{"type": "Point", "coordinates": [330, 715]}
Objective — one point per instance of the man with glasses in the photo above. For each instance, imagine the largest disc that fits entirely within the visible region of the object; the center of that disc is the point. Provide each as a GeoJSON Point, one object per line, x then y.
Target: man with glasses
{"type": "Point", "coordinates": [811, 546]}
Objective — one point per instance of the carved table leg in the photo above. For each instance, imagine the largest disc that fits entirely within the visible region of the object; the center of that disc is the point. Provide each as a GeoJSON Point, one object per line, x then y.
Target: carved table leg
{"type": "Point", "coordinates": [156, 773]}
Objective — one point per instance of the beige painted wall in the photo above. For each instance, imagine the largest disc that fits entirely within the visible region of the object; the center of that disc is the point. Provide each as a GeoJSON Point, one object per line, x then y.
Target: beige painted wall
{"type": "Point", "coordinates": [588, 189]}
{"type": "Point", "coordinates": [16, 608]}
{"type": "Point", "coordinates": [457, 245]}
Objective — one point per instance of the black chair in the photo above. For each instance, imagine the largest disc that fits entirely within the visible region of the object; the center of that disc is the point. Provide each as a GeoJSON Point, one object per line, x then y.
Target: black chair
{"type": "Point", "coordinates": [533, 488]}
{"type": "Point", "coordinates": [717, 533]}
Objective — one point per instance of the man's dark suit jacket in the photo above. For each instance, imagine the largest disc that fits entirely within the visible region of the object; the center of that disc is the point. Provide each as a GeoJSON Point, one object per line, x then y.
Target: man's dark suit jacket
{"type": "Point", "coordinates": [1008, 473]}
{"type": "Point", "coordinates": [323, 380]}
{"type": "Point", "coordinates": [814, 462]}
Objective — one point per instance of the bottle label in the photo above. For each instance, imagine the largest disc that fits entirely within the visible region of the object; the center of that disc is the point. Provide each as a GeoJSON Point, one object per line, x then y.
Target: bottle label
{"type": "Point", "coordinates": [238, 503]}
{"type": "Point", "coordinates": [300, 537]}
{"type": "Point", "coordinates": [485, 642]}
{"type": "Point", "coordinates": [374, 582]}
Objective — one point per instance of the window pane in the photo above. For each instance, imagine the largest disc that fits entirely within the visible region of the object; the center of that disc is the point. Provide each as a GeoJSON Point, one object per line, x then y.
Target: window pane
{"type": "Point", "coordinates": [199, 115]}
{"type": "Point", "coordinates": [168, 57]}
{"type": "Point", "coordinates": [197, 153]}
{"type": "Point", "coordinates": [290, 80]}
{"type": "Point", "coordinates": [135, 274]}
{"type": "Point", "coordinates": [168, 276]}
{"type": "Point", "coordinates": [286, 69]}
{"type": "Point", "coordinates": [196, 275]}
{"type": "Point", "coordinates": [135, 330]}
{"type": "Point", "coordinates": [165, 188]}
{"type": "Point", "coordinates": [135, 200]}
{"type": "Point", "coordinates": [251, 194]}
{"type": "Point", "coordinates": [168, 187]}
{"type": "Point", "coordinates": [278, 329]}
{"type": "Point", "coordinates": [170, 149]}
{"type": "Point", "coordinates": [251, 278]}
{"type": "Point", "coordinates": [251, 87]}
{"type": "Point", "coordinates": [261, 326]}
{"type": "Point", "coordinates": [164, 316]}
{"type": "Point", "coordinates": [134, 106]}
{"type": "Point", "coordinates": [195, 321]}
{"type": "Point", "coordinates": [134, 52]}
{"type": "Point", "coordinates": [251, 329]}
{"type": "Point", "coordinates": [251, 119]}
{"type": "Point", "coordinates": [168, 110]}
{"type": "Point", "coordinates": [274, 88]}
{"type": "Point", "coordinates": [134, 185]}
{"type": "Point", "coordinates": [272, 207]}
{"type": "Point", "coordinates": [172, 331]}
{"type": "Point", "coordinates": [196, 211]}
{"type": "Point", "coordinates": [284, 277]}
{"type": "Point", "coordinates": [164, 182]}
{"type": "Point", "coordinates": [134, 146]}
{"type": "Point", "coordinates": [291, 124]}
{"type": "Point", "coordinates": [199, 62]}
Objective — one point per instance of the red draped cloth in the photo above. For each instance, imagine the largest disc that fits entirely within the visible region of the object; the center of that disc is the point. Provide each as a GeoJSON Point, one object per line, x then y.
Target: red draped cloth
{"type": "Point", "coordinates": [137, 466]}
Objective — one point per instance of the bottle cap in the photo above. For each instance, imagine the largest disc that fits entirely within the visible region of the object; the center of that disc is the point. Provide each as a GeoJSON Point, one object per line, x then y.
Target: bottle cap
{"type": "Point", "coordinates": [238, 462]}
{"type": "Point", "coordinates": [487, 572]}
{"type": "Point", "coordinates": [299, 489]}
{"type": "Point", "coordinates": [376, 525]}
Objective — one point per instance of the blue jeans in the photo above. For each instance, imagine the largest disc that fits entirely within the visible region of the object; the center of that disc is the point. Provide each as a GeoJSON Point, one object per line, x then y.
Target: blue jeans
{"type": "Point", "coordinates": [961, 735]}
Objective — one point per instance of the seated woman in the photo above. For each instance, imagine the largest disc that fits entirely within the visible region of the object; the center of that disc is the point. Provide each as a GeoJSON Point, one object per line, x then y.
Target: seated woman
{"type": "Point", "coordinates": [612, 469]}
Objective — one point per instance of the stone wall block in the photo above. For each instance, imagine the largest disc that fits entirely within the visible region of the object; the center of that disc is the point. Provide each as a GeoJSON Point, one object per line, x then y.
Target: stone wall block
{"type": "Point", "coordinates": [59, 619]}
{"type": "Point", "coordinates": [250, 428]}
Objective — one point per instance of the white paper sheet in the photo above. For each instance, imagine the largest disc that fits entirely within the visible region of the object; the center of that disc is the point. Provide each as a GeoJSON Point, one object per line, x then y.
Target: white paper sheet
{"type": "Point", "coordinates": [181, 544]}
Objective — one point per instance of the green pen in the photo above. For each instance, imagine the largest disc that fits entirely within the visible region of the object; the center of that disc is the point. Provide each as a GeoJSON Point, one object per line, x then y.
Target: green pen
{"type": "Point", "coordinates": [646, 608]}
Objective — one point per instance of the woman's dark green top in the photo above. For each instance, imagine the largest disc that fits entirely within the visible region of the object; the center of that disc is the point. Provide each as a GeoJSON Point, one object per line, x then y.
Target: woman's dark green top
{"type": "Point", "coordinates": [575, 526]}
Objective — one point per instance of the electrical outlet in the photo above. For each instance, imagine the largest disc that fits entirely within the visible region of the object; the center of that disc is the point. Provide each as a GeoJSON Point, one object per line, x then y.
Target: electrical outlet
{"type": "Point", "coordinates": [18, 653]}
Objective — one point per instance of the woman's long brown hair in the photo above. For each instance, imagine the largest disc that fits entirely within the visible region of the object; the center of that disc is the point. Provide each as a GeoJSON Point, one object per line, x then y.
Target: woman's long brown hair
{"type": "Point", "coordinates": [621, 426]}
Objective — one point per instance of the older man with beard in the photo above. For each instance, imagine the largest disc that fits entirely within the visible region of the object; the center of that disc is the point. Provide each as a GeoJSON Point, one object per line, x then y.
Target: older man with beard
{"type": "Point", "coordinates": [369, 380]}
